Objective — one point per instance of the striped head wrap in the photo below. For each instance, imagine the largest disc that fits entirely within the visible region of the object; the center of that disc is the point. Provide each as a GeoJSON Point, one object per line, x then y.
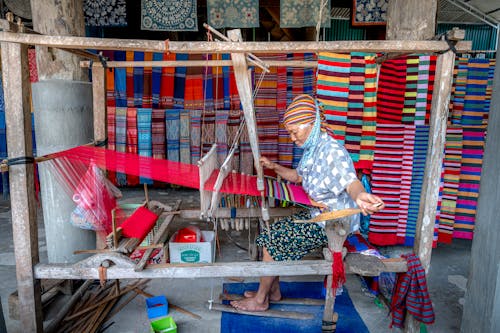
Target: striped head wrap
{"type": "Point", "coordinates": [302, 110]}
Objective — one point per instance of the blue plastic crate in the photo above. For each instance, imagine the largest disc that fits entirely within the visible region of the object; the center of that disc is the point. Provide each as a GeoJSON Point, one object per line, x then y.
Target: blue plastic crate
{"type": "Point", "coordinates": [157, 306]}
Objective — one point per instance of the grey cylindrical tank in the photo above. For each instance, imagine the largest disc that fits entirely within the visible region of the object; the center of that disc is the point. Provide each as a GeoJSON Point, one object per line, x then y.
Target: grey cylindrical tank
{"type": "Point", "coordinates": [63, 119]}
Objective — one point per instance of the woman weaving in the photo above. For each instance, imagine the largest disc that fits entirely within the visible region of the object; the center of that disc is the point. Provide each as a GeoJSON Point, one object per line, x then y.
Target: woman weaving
{"type": "Point", "coordinates": [327, 174]}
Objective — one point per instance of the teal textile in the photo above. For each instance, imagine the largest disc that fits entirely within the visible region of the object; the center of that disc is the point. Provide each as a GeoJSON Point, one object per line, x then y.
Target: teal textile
{"type": "Point", "coordinates": [168, 15]}
{"type": "Point", "coordinates": [300, 13]}
{"type": "Point", "coordinates": [233, 13]}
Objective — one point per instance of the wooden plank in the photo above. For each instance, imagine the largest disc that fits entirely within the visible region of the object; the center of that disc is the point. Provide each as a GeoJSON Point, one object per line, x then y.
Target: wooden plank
{"type": "Point", "coordinates": [251, 212]}
{"type": "Point", "coordinates": [159, 237]}
{"type": "Point", "coordinates": [294, 301]}
{"type": "Point", "coordinates": [16, 87]}
{"type": "Point", "coordinates": [197, 63]}
{"type": "Point", "coordinates": [267, 313]}
{"type": "Point", "coordinates": [432, 174]}
{"type": "Point", "coordinates": [99, 103]}
{"type": "Point", "coordinates": [73, 42]}
{"type": "Point", "coordinates": [419, 25]}
{"type": "Point", "coordinates": [245, 269]}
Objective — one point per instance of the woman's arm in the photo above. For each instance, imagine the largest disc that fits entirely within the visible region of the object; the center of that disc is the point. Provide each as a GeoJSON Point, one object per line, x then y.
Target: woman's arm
{"type": "Point", "coordinates": [284, 172]}
{"type": "Point", "coordinates": [368, 203]}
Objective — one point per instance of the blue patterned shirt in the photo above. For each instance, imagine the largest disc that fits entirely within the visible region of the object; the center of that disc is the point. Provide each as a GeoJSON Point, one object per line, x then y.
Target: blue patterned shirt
{"type": "Point", "coordinates": [326, 175]}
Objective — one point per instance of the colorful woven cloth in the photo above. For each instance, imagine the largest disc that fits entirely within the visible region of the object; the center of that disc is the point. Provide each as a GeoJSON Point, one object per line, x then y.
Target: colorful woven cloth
{"type": "Point", "coordinates": [179, 83]}
{"type": "Point", "coordinates": [120, 81]}
{"type": "Point", "coordinates": [111, 130]}
{"type": "Point", "coordinates": [391, 91]}
{"type": "Point", "coordinates": [32, 65]}
{"type": "Point", "coordinates": [147, 97]}
{"type": "Point", "coordinates": [368, 129]}
{"type": "Point", "coordinates": [156, 77]}
{"type": "Point", "coordinates": [233, 13]}
{"type": "Point", "coordinates": [193, 88]}
{"type": "Point", "coordinates": [131, 102]}
{"type": "Point", "coordinates": [221, 139]}
{"type": "Point", "coordinates": [105, 13]}
{"type": "Point", "coordinates": [132, 141]}
{"type": "Point", "coordinates": [121, 139]}
{"type": "Point", "coordinates": [167, 83]}
{"type": "Point", "coordinates": [298, 13]}
{"type": "Point", "coordinates": [172, 125]}
{"type": "Point", "coordinates": [158, 133]}
{"type": "Point", "coordinates": [144, 138]}
{"type": "Point", "coordinates": [163, 15]}
{"type": "Point", "coordinates": [184, 137]}
{"type": "Point", "coordinates": [475, 92]}
{"type": "Point", "coordinates": [195, 135]}
{"type": "Point", "coordinates": [411, 295]}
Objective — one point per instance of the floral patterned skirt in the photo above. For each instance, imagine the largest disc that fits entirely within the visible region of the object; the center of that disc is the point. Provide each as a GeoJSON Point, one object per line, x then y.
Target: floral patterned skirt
{"type": "Point", "coordinates": [292, 241]}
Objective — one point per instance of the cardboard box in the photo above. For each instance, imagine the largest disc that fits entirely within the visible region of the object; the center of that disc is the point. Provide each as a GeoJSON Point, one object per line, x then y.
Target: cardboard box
{"type": "Point", "coordinates": [199, 252]}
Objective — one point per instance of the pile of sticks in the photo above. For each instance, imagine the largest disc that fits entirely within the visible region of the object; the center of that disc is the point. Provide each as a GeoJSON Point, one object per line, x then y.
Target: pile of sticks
{"type": "Point", "coordinates": [93, 305]}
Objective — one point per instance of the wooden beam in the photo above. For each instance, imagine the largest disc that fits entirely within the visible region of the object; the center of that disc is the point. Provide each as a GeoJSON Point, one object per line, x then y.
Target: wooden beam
{"type": "Point", "coordinates": [197, 63]}
{"type": "Point", "coordinates": [99, 102]}
{"type": "Point", "coordinates": [72, 42]}
{"type": "Point", "coordinates": [16, 87]}
{"type": "Point", "coordinates": [222, 212]}
{"type": "Point", "coordinates": [192, 271]}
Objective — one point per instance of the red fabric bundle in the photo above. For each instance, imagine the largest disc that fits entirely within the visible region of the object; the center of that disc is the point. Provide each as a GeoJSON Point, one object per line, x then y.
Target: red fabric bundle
{"type": "Point", "coordinates": [139, 224]}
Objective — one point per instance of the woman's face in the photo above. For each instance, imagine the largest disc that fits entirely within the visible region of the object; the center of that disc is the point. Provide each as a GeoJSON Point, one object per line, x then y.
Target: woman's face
{"type": "Point", "coordinates": [298, 132]}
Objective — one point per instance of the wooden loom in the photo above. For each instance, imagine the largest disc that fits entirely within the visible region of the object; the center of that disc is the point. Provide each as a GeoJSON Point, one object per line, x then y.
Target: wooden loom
{"type": "Point", "coordinates": [14, 64]}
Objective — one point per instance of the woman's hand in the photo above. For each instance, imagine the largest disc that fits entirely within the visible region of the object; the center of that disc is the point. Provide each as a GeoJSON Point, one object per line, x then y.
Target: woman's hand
{"type": "Point", "coordinates": [369, 203]}
{"type": "Point", "coordinates": [266, 163]}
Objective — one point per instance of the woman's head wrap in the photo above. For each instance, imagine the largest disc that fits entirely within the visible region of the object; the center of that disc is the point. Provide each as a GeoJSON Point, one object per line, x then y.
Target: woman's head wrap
{"type": "Point", "coordinates": [302, 110]}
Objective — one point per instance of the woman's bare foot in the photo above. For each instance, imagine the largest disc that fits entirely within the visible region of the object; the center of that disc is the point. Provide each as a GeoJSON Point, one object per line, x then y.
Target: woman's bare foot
{"type": "Point", "coordinates": [251, 304]}
{"type": "Point", "coordinates": [274, 296]}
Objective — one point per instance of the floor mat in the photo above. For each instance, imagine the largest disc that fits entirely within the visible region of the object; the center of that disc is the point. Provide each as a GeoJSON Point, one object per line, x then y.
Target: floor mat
{"type": "Point", "coordinates": [349, 319]}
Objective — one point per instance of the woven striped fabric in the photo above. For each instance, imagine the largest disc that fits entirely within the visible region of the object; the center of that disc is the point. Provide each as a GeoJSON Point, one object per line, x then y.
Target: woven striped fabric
{"type": "Point", "coordinates": [156, 81]}
{"type": "Point", "coordinates": [417, 179]}
{"type": "Point", "coordinates": [158, 133]}
{"type": "Point", "coordinates": [246, 157]}
{"type": "Point", "coordinates": [147, 97]}
{"type": "Point", "coordinates": [217, 84]}
{"type": "Point", "coordinates": [406, 181]}
{"type": "Point", "coordinates": [475, 92]}
{"type": "Point", "coordinates": [121, 139]}
{"type": "Point", "coordinates": [207, 131]}
{"type": "Point", "coordinates": [451, 178]}
{"type": "Point", "coordinates": [144, 139]}
{"type": "Point", "coordinates": [167, 83]}
{"type": "Point", "coordinates": [386, 183]}
{"type": "Point", "coordinates": [195, 135]}
{"type": "Point", "coordinates": [422, 90]}
{"type": "Point", "coordinates": [368, 129]}
{"type": "Point", "coordinates": [409, 110]}
{"type": "Point", "coordinates": [193, 89]}
{"type": "Point", "coordinates": [459, 91]}
{"type": "Point", "coordinates": [130, 56]}
{"type": "Point", "coordinates": [489, 90]}
{"type": "Point", "coordinates": [132, 140]}
{"type": "Point", "coordinates": [333, 90]}
{"type": "Point", "coordinates": [354, 123]}
{"type": "Point", "coordinates": [172, 131]}
{"type": "Point", "coordinates": [284, 191]}
{"type": "Point", "coordinates": [110, 87]}
{"type": "Point", "coordinates": [432, 74]}
{"type": "Point", "coordinates": [111, 128]}
{"type": "Point", "coordinates": [391, 91]}
{"type": "Point", "coordinates": [470, 176]}
{"type": "Point", "coordinates": [184, 137]}
{"type": "Point", "coordinates": [179, 83]}
{"type": "Point", "coordinates": [120, 81]}
{"type": "Point", "coordinates": [266, 113]}
{"type": "Point", "coordinates": [284, 145]}
{"type": "Point", "coordinates": [221, 139]}
{"type": "Point", "coordinates": [226, 73]}
{"type": "Point", "coordinates": [233, 124]}
{"type": "Point", "coordinates": [233, 91]}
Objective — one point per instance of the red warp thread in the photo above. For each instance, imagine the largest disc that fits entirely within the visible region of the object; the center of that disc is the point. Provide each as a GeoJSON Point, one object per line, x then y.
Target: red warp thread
{"type": "Point", "coordinates": [338, 272]}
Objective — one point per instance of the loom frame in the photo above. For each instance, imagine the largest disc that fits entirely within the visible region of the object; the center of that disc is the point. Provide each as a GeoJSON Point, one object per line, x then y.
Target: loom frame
{"type": "Point", "coordinates": [14, 41]}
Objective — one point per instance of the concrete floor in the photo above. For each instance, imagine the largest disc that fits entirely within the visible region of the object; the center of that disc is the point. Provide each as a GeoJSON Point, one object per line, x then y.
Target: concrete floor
{"type": "Point", "coordinates": [447, 280]}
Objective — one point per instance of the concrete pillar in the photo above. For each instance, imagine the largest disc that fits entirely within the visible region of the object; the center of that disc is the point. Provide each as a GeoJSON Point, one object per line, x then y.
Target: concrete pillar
{"type": "Point", "coordinates": [63, 119]}
{"type": "Point", "coordinates": [482, 298]}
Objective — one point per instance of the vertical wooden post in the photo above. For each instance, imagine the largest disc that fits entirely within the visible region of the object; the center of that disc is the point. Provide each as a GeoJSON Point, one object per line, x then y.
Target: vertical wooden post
{"type": "Point", "coordinates": [99, 102]}
{"type": "Point", "coordinates": [22, 190]}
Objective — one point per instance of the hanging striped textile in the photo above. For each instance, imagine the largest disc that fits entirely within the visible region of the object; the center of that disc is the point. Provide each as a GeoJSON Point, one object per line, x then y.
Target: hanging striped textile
{"type": "Point", "coordinates": [172, 130]}
{"type": "Point", "coordinates": [110, 87]}
{"type": "Point", "coordinates": [354, 123]}
{"type": "Point", "coordinates": [195, 135]}
{"type": "Point", "coordinates": [207, 131]}
{"type": "Point", "coordinates": [470, 176]}
{"type": "Point", "coordinates": [430, 90]}
{"type": "Point", "coordinates": [217, 84]}
{"type": "Point", "coordinates": [459, 93]}
{"type": "Point", "coordinates": [475, 92]}
{"type": "Point", "coordinates": [144, 139]}
{"type": "Point", "coordinates": [130, 56]}
{"type": "Point", "coordinates": [120, 81]}
{"type": "Point", "coordinates": [368, 129]}
{"type": "Point", "coordinates": [386, 183]}
{"type": "Point", "coordinates": [208, 85]}
{"type": "Point", "coordinates": [158, 133]}
{"type": "Point", "coordinates": [417, 179]}
{"type": "Point", "coordinates": [147, 97]}
{"type": "Point", "coordinates": [180, 83]}
{"type": "Point", "coordinates": [284, 144]}
{"type": "Point", "coordinates": [132, 141]}
{"type": "Point", "coordinates": [333, 90]}
{"type": "Point", "coordinates": [266, 113]}
{"type": "Point", "coordinates": [167, 83]}
{"type": "Point", "coordinates": [233, 124]}
{"type": "Point", "coordinates": [233, 91]}
{"type": "Point", "coordinates": [221, 139]}
{"type": "Point", "coordinates": [391, 91]}
{"type": "Point", "coordinates": [451, 179]}
{"type": "Point", "coordinates": [409, 110]}
{"type": "Point", "coordinates": [184, 137]}
{"type": "Point", "coordinates": [406, 181]}
{"type": "Point", "coordinates": [226, 72]}
{"type": "Point", "coordinates": [489, 90]}
{"type": "Point", "coordinates": [156, 76]}
{"type": "Point", "coordinates": [246, 157]}
{"type": "Point", "coordinates": [422, 89]}
{"type": "Point", "coordinates": [294, 87]}
{"type": "Point", "coordinates": [193, 89]}
{"type": "Point", "coordinates": [121, 139]}
{"type": "Point", "coordinates": [111, 118]}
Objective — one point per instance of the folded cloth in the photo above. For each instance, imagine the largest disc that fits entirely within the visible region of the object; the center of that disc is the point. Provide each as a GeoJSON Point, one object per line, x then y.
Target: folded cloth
{"type": "Point", "coordinates": [410, 294]}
